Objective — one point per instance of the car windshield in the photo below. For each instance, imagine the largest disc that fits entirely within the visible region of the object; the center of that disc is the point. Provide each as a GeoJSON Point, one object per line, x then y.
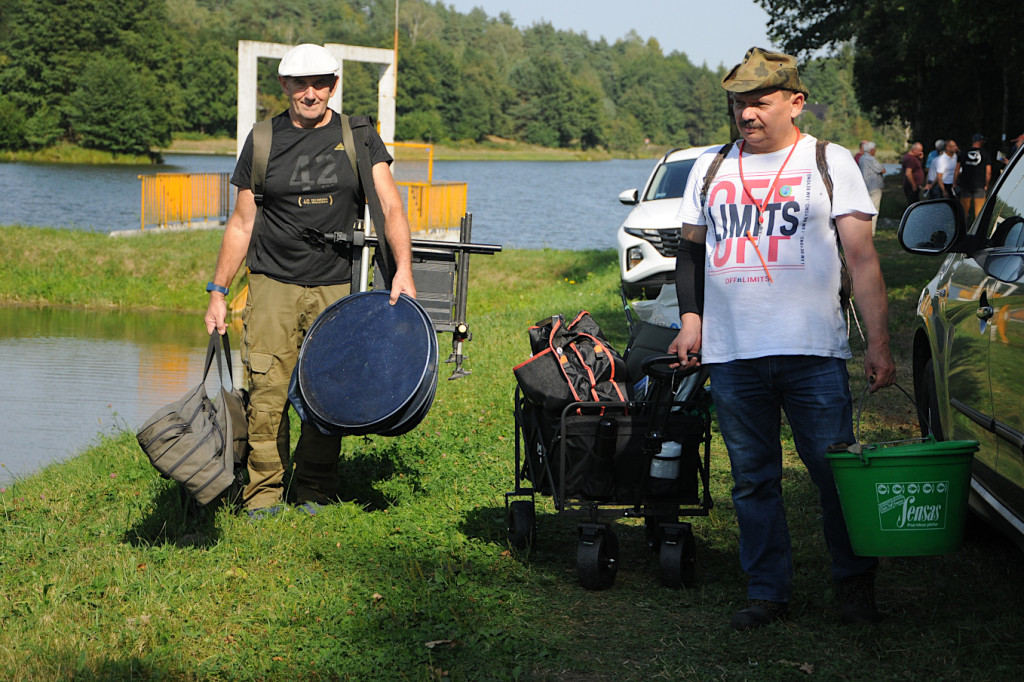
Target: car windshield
{"type": "Point", "coordinates": [669, 180]}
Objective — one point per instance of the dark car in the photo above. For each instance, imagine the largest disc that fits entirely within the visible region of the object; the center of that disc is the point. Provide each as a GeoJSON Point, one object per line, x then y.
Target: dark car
{"type": "Point", "coordinates": [969, 340]}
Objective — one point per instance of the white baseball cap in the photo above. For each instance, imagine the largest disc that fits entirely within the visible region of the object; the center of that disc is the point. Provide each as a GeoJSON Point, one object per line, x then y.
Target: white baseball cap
{"type": "Point", "coordinates": [307, 60]}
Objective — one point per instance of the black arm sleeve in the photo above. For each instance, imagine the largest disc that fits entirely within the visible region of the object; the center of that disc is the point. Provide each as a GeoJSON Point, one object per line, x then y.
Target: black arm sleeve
{"type": "Point", "coordinates": [690, 276]}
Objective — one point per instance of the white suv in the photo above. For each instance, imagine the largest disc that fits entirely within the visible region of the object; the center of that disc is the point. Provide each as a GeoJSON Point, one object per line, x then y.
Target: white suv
{"type": "Point", "coordinates": [648, 238]}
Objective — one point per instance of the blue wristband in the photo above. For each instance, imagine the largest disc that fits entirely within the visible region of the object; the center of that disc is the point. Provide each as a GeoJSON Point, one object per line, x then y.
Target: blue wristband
{"type": "Point", "coordinates": [210, 286]}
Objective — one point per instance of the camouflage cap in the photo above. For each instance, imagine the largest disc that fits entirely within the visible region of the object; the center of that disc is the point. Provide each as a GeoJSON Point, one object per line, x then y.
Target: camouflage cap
{"type": "Point", "coordinates": [761, 69]}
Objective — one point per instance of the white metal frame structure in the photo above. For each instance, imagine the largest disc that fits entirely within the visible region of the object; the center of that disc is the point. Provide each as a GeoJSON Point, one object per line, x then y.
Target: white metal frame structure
{"type": "Point", "coordinates": [249, 52]}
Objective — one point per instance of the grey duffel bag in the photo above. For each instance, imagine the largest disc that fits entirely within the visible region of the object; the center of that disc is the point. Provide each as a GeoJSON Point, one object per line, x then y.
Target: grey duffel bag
{"type": "Point", "coordinates": [200, 442]}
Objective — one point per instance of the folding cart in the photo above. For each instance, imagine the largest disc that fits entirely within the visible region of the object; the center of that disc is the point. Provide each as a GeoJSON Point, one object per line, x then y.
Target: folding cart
{"type": "Point", "coordinates": [605, 460]}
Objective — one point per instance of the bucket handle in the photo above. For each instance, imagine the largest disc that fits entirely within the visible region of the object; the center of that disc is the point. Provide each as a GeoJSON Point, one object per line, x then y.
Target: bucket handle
{"type": "Point", "coordinates": [858, 447]}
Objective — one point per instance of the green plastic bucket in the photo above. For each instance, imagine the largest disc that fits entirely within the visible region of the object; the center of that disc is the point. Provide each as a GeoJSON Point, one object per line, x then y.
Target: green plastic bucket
{"type": "Point", "coordinates": [908, 499]}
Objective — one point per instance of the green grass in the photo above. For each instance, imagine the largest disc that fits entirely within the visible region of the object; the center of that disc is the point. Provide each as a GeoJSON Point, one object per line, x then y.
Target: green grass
{"type": "Point", "coordinates": [69, 153]}
{"type": "Point", "coordinates": [104, 576]}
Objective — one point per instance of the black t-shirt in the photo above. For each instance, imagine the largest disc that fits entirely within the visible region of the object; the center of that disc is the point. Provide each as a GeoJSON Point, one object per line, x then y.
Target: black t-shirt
{"type": "Point", "coordinates": [972, 168]}
{"type": "Point", "coordinates": [310, 184]}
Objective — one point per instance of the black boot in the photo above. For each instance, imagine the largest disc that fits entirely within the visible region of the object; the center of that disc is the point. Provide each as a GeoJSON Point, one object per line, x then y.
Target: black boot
{"type": "Point", "coordinates": [857, 600]}
{"type": "Point", "coordinates": [758, 612]}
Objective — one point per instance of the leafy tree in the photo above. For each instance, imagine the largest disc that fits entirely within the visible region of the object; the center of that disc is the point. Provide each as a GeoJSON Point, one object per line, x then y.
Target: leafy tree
{"type": "Point", "coordinates": [461, 76]}
{"type": "Point", "coordinates": [12, 125]}
{"type": "Point", "coordinates": [209, 100]}
{"type": "Point", "coordinates": [50, 46]}
{"type": "Point", "coordinates": [43, 128]}
{"type": "Point", "coordinates": [946, 66]}
{"type": "Point", "coordinates": [127, 125]}
{"type": "Point", "coordinates": [429, 82]}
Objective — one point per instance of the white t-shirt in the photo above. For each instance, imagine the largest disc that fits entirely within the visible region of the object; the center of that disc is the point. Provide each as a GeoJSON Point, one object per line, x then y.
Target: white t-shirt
{"type": "Point", "coordinates": [946, 165]}
{"type": "Point", "coordinates": [797, 311]}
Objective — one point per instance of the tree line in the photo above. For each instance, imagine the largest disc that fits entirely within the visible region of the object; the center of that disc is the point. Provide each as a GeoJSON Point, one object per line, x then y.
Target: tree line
{"type": "Point", "coordinates": [125, 76]}
{"type": "Point", "coordinates": [949, 68]}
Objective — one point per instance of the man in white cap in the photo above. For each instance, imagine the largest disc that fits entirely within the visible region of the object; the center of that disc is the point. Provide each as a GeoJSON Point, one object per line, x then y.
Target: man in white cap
{"type": "Point", "coordinates": [758, 278]}
{"type": "Point", "coordinates": [309, 184]}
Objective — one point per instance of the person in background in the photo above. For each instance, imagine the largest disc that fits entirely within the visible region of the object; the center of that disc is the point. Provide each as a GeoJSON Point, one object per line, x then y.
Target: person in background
{"type": "Point", "coordinates": [913, 173]}
{"type": "Point", "coordinates": [730, 313]}
{"type": "Point", "coordinates": [946, 168]}
{"type": "Point", "coordinates": [975, 176]}
{"type": "Point", "coordinates": [860, 151]}
{"type": "Point", "coordinates": [309, 184]}
{"type": "Point", "coordinates": [1015, 144]}
{"type": "Point", "coordinates": [874, 175]}
{"type": "Point", "coordinates": [940, 146]}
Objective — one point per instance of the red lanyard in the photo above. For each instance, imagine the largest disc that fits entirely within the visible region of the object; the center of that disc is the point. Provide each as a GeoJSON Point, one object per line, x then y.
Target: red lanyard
{"type": "Point", "coordinates": [767, 197]}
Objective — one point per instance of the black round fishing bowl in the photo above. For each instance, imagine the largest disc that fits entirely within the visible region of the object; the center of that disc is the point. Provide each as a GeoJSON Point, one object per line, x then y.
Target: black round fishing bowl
{"type": "Point", "coordinates": [367, 366]}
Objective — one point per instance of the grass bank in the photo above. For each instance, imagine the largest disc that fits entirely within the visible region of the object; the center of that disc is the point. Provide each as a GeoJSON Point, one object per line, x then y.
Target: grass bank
{"type": "Point", "coordinates": [105, 577]}
{"type": "Point", "coordinates": [73, 154]}
{"type": "Point", "coordinates": [491, 149]}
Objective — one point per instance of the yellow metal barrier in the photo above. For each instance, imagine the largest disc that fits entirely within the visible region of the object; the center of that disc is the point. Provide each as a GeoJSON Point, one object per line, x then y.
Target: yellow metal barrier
{"type": "Point", "coordinates": [438, 205]}
{"type": "Point", "coordinates": [430, 205]}
{"type": "Point", "coordinates": [180, 198]}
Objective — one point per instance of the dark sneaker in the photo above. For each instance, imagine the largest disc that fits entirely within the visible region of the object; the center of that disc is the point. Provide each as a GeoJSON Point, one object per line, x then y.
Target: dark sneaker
{"type": "Point", "coordinates": [264, 512]}
{"type": "Point", "coordinates": [857, 601]}
{"type": "Point", "coordinates": [310, 508]}
{"type": "Point", "coordinates": [758, 612]}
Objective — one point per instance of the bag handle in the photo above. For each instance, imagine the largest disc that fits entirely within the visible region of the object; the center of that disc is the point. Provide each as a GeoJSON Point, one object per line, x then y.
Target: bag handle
{"type": "Point", "coordinates": [215, 349]}
{"type": "Point", "coordinates": [857, 448]}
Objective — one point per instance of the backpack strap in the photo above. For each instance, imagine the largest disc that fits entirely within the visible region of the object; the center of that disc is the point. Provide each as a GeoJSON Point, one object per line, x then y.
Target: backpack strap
{"type": "Point", "coordinates": [262, 136]}
{"type": "Point", "coordinates": [826, 177]}
{"type": "Point", "coordinates": [361, 127]}
{"type": "Point", "coordinates": [350, 145]}
{"type": "Point", "coordinates": [845, 280]}
{"type": "Point", "coordinates": [709, 177]}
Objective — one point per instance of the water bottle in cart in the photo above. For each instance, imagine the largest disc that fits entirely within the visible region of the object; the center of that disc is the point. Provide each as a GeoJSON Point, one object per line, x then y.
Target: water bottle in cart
{"type": "Point", "coordinates": [665, 464]}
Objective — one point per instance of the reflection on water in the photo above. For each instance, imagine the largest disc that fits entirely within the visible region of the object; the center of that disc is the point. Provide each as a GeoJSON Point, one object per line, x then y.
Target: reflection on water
{"type": "Point", "coordinates": [67, 375]}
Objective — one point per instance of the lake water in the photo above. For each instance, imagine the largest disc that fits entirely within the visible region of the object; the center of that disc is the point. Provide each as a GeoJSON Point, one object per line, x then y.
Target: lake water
{"type": "Point", "coordinates": [522, 204]}
{"type": "Point", "coordinates": [67, 376]}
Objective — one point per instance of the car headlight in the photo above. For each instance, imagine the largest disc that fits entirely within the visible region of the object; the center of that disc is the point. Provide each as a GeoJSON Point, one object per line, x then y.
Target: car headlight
{"type": "Point", "coordinates": [633, 257]}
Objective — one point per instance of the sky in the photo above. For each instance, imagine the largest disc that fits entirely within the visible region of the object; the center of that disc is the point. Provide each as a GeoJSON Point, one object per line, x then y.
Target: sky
{"type": "Point", "coordinates": [717, 32]}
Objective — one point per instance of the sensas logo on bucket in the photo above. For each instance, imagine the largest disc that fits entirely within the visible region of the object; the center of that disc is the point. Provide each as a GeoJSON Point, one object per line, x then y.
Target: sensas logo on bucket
{"type": "Point", "coordinates": [916, 505]}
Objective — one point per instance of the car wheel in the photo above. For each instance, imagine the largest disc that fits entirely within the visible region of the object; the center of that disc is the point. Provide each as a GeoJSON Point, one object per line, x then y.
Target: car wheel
{"type": "Point", "coordinates": [928, 404]}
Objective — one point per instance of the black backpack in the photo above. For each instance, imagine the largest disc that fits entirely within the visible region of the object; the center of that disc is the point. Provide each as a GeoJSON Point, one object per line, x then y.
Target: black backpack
{"type": "Point", "coordinates": [571, 362]}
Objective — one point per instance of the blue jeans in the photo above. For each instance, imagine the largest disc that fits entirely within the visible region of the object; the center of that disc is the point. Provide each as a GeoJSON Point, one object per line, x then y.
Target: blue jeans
{"type": "Point", "coordinates": [748, 395]}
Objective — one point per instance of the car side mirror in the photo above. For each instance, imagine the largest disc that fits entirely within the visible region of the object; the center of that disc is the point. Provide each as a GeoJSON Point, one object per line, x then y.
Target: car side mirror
{"type": "Point", "coordinates": [629, 197]}
{"type": "Point", "coordinates": [933, 227]}
{"type": "Point", "coordinates": [1007, 267]}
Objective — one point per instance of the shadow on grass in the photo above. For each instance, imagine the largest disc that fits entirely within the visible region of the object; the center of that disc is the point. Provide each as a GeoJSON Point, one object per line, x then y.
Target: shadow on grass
{"type": "Point", "coordinates": [364, 471]}
{"type": "Point", "coordinates": [556, 544]}
{"type": "Point", "coordinates": [177, 519]}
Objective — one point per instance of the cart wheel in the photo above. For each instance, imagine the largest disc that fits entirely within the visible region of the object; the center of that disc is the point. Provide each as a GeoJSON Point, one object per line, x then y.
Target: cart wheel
{"type": "Point", "coordinates": [597, 557]}
{"type": "Point", "coordinates": [522, 524]}
{"type": "Point", "coordinates": [677, 563]}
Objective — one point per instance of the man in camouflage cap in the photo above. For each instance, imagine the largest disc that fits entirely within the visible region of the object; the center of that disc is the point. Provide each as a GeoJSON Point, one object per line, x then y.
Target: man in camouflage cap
{"type": "Point", "coordinates": [761, 70]}
{"type": "Point", "coordinates": [758, 277]}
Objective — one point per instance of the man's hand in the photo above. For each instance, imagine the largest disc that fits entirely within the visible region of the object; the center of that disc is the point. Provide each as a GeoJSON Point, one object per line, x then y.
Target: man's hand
{"type": "Point", "coordinates": [870, 296]}
{"type": "Point", "coordinates": [688, 341]}
{"type": "Point", "coordinates": [216, 313]}
{"type": "Point", "coordinates": [402, 283]}
{"type": "Point", "coordinates": [879, 368]}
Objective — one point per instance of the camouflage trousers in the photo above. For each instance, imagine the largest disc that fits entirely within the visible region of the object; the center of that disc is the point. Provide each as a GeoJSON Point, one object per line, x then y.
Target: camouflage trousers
{"type": "Point", "coordinates": [275, 321]}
